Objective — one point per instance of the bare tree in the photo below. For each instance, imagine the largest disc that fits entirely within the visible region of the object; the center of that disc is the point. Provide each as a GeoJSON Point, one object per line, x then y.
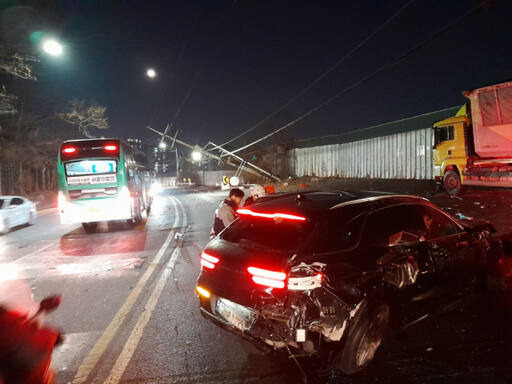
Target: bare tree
{"type": "Point", "coordinates": [17, 65]}
{"type": "Point", "coordinates": [8, 103]}
{"type": "Point", "coordinates": [85, 117]}
{"type": "Point", "coordinates": [20, 66]}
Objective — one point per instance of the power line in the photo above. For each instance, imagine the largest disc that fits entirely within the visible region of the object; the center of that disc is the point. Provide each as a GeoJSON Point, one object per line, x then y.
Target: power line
{"type": "Point", "coordinates": [185, 99]}
{"type": "Point", "coordinates": [166, 86]}
{"type": "Point", "coordinates": [367, 77]}
{"type": "Point", "coordinates": [190, 42]}
{"type": "Point", "coordinates": [323, 75]}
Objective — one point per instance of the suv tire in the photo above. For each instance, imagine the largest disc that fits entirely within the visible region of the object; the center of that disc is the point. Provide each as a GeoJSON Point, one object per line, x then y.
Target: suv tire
{"type": "Point", "coordinates": [364, 338]}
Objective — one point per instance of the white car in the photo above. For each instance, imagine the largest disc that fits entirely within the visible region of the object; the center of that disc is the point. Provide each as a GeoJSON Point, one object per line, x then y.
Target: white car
{"type": "Point", "coordinates": [14, 211]}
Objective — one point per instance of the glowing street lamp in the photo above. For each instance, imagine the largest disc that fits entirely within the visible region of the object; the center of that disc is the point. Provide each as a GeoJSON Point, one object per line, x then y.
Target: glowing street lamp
{"type": "Point", "coordinates": [197, 155]}
{"type": "Point", "coordinates": [162, 145]}
{"type": "Point", "coordinates": [151, 73]}
{"type": "Point", "coordinates": [52, 47]}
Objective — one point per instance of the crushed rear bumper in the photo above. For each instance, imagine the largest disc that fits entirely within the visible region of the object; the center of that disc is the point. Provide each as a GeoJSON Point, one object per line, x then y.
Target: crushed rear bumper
{"type": "Point", "coordinates": [302, 320]}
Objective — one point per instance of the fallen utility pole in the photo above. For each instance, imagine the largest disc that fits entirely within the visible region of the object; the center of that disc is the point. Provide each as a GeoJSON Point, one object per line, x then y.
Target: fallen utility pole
{"type": "Point", "coordinates": [165, 133]}
{"type": "Point", "coordinates": [243, 162]}
{"type": "Point", "coordinates": [256, 171]}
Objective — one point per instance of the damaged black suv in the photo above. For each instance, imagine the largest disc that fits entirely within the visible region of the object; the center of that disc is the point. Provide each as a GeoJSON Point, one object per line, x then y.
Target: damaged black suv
{"type": "Point", "coordinates": [330, 272]}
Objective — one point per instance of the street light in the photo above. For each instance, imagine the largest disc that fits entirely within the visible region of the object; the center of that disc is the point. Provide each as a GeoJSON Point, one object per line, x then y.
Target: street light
{"type": "Point", "coordinates": [151, 73]}
{"type": "Point", "coordinates": [162, 145]}
{"type": "Point", "coordinates": [234, 181]}
{"type": "Point", "coordinates": [52, 47]}
{"type": "Point", "coordinates": [197, 155]}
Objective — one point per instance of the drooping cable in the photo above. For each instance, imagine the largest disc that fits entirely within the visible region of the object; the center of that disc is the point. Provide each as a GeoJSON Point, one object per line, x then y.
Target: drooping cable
{"type": "Point", "coordinates": [394, 62]}
{"type": "Point", "coordinates": [322, 76]}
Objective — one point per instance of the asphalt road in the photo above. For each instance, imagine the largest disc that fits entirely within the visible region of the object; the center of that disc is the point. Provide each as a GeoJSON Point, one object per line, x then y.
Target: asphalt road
{"type": "Point", "coordinates": [130, 313]}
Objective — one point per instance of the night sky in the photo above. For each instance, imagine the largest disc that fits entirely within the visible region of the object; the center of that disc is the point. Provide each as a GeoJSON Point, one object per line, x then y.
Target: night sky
{"type": "Point", "coordinates": [241, 60]}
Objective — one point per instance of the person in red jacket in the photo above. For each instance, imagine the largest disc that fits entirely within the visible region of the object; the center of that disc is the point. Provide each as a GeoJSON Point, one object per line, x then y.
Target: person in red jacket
{"type": "Point", "coordinates": [26, 350]}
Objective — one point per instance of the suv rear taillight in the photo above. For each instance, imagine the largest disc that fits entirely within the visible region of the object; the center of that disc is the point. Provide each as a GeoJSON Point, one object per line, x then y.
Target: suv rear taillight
{"type": "Point", "coordinates": [267, 278]}
{"type": "Point", "coordinates": [209, 261]}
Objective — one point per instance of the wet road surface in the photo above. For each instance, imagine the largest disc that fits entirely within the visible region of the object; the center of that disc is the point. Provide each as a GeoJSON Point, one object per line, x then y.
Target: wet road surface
{"type": "Point", "coordinates": [130, 313]}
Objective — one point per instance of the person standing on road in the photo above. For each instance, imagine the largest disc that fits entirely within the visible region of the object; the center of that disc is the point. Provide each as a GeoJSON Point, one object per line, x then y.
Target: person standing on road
{"type": "Point", "coordinates": [256, 192]}
{"type": "Point", "coordinates": [226, 213]}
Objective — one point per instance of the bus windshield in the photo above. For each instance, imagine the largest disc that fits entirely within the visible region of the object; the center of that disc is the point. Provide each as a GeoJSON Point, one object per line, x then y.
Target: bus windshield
{"type": "Point", "coordinates": [90, 167]}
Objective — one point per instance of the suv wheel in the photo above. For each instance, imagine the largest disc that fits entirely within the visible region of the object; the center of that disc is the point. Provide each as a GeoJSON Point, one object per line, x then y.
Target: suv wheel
{"type": "Point", "coordinates": [363, 340]}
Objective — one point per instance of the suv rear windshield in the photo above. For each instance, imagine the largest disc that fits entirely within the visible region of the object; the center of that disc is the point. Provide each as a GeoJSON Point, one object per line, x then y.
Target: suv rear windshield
{"type": "Point", "coordinates": [278, 235]}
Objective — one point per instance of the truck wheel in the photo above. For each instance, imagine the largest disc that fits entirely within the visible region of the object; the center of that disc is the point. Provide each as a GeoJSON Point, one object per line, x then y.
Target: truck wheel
{"type": "Point", "coordinates": [452, 183]}
{"type": "Point", "coordinates": [89, 227]}
{"type": "Point", "coordinates": [363, 340]}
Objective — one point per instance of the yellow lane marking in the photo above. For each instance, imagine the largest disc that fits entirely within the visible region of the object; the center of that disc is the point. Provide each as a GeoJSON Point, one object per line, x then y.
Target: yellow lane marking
{"type": "Point", "coordinates": [91, 360]}
{"type": "Point", "coordinates": [47, 211]}
{"type": "Point", "coordinates": [133, 340]}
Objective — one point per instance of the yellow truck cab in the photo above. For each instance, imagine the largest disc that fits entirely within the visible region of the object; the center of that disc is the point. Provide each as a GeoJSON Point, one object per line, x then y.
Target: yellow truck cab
{"type": "Point", "coordinates": [475, 146]}
{"type": "Point", "coordinates": [450, 151]}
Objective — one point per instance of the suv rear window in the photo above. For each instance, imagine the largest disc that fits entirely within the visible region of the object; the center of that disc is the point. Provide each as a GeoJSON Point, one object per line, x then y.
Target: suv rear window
{"type": "Point", "coordinates": [278, 235]}
{"type": "Point", "coordinates": [341, 233]}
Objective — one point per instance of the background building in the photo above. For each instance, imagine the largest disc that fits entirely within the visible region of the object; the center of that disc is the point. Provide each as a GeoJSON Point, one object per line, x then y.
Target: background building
{"type": "Point", "coordinates": [135, 144]}
{"type": "Point", "coordinates": [400, 149]}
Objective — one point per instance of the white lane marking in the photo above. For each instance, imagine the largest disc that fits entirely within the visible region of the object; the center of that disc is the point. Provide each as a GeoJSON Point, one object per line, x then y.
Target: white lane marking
{"type": "Point", "coordinates": [91, 360]}
{"type": "Point", "coordinates": [176, 215]}
{"type": "Point", "coordinates": [183, 213]}
{"type": "Point", "coordinates": [37, 251]}
{"type": "Point", "coordinates": [41, 270]}
{"type": "Point", "coordinates": [133, 340]}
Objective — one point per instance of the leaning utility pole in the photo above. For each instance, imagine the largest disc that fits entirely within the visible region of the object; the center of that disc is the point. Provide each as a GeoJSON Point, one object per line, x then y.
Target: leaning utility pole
{"type": "Point", "coordinates": [257, 171]}
{"type": "Point", "coordinates": [243, 162]}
